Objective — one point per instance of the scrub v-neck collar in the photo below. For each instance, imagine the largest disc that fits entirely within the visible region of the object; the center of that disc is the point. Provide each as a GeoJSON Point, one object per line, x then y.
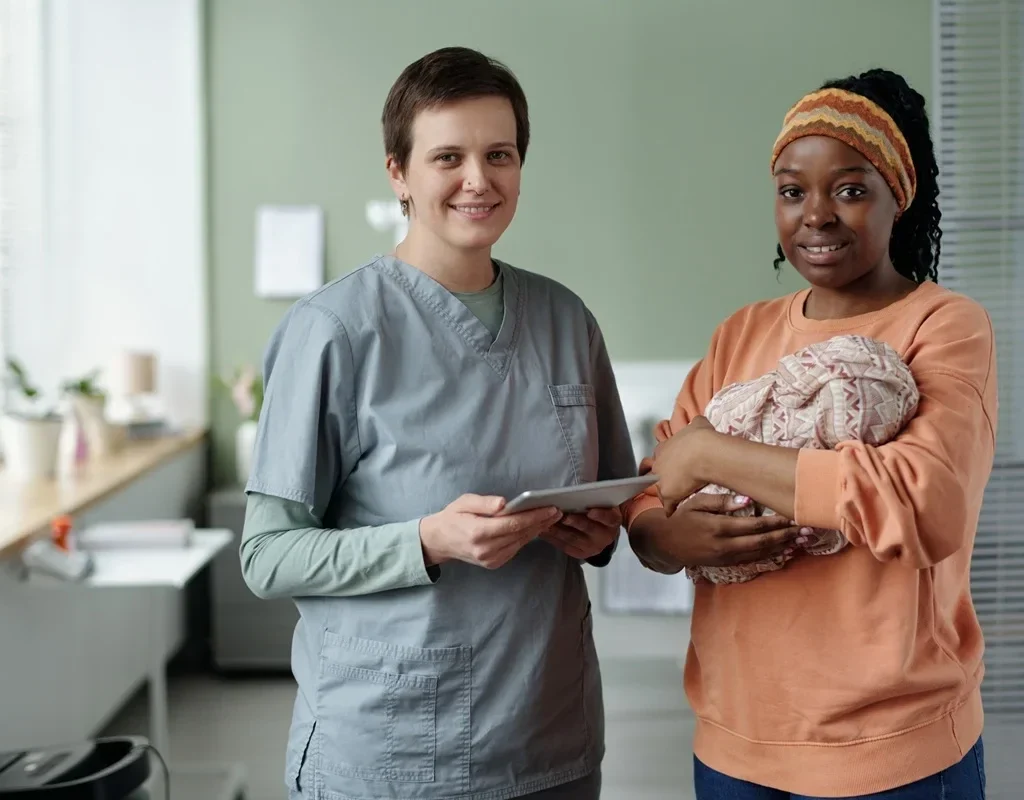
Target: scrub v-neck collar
{"type": "Point", "coordinates": [496, 351]}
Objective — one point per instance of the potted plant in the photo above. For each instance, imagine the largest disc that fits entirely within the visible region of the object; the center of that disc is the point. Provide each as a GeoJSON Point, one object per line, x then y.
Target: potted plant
{"type": "Point", "coordinates": [88, 404]}
{"type": "Point", "coordinates": [246, 390]}
{"type": "Point", "coordinates": [29, 430]}
{"type": "Point", "coordinates": [86, 387]}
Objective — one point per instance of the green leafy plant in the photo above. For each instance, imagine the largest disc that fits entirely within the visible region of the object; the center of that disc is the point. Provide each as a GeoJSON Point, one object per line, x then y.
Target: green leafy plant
{"type": "Point", "coordinates": [31, 405]}
{"type": "Point", "coordinates": [86, 386]}
{"type": "Point", "coordinates": [19, 378]}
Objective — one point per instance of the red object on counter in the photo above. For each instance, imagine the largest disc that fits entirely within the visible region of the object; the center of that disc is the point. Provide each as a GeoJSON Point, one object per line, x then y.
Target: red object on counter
{"type": "Point", "coordinates": [60, 527]}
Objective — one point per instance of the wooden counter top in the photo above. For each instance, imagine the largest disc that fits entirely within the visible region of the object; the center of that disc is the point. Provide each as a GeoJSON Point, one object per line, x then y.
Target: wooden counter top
{"type": "Point", "coordinates": [27, 507]}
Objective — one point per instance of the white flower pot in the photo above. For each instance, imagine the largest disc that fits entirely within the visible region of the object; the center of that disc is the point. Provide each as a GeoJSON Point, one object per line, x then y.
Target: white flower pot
{"type": "Point", "coordinates": [30, 445]}
{"type": "Point", "coordinates": [245, 443]}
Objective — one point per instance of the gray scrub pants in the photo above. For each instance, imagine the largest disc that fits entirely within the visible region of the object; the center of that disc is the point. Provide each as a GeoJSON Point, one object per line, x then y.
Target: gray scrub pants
{"type": "Point", "coordinates": [588, 788]}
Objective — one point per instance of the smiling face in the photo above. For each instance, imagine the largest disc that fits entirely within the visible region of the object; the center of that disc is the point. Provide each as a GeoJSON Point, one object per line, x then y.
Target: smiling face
{"type": "Point", "coordinates": [834, 213]}
{"type": "Point", "coordinates": [462, 175]}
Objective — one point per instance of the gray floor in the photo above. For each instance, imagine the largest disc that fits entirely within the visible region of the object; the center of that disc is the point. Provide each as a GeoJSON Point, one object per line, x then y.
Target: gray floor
{"type": "Point", "coordinates": [649, 729]}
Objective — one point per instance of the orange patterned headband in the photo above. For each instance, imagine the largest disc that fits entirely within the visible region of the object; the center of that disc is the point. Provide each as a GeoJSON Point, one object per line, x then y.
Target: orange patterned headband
{"type": "Point", "coordinates": [861, 124]}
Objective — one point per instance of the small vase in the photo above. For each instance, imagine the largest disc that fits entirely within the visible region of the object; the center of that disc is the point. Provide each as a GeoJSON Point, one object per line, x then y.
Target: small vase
{"type": "Point", "coordinates": [245, 443]}
{"type": "Point", "coordinates": [91, 414]}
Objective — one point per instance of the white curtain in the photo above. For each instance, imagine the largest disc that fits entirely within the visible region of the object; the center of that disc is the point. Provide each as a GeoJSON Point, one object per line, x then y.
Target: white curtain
{"type": "Point", "coordinates": [22, 195]}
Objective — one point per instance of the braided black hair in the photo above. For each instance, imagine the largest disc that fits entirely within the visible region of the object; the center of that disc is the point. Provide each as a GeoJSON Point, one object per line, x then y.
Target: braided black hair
{"type": "Point", "coordinates": [916, 236]}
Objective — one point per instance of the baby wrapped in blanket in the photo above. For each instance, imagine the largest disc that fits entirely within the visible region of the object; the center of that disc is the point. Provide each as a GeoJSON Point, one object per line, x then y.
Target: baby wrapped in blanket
{"type": "Point", "coordinates": [846, 388]}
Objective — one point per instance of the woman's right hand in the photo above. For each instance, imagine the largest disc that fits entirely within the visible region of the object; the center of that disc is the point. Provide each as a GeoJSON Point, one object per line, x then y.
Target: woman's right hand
{"type": "Point", "coordinates": [703, 533]}
{"type": "Point", "coordinates": [467, 530]}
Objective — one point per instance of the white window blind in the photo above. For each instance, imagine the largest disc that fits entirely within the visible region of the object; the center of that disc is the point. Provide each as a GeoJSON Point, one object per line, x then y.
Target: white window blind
{"type": "Point", "coordinates": [21, 151]}
{"type": "Point", "coordinates": [979, 126]}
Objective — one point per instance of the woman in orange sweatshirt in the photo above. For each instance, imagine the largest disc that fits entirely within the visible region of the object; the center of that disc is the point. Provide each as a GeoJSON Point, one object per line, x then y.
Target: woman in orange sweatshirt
{"type": "Point", "coordinates": [856, 674]}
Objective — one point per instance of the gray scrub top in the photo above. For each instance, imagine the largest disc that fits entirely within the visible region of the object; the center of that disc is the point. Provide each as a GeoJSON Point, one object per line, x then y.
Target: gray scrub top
{"type": "Point", "coordinates": [386, 399]}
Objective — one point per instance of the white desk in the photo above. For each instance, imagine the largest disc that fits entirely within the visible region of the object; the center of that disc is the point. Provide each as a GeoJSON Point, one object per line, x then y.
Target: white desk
{"type": "Point", "coordinates": [163, 569]}
{"type": "Point", "coordinates": [156, 568]}
{"type": "Point", "coordinates": [171, 567]}
{"type": "Point", "coordinates": [80, 656]}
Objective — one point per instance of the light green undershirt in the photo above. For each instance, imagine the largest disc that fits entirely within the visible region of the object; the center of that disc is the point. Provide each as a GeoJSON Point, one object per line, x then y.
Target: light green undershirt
{"type": "Point", "coordinates": [286, 552]}
{"type": "Point", "coordinates": [487, 306]}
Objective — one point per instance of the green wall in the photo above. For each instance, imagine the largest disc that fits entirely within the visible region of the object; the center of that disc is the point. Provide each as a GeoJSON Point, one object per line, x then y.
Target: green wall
{"type": "Point", "coordinates": [646, 186]}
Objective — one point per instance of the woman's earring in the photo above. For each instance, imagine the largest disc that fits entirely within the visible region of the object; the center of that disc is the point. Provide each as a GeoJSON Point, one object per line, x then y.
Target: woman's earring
{"type": "Point", "coordinates": [404, 203]}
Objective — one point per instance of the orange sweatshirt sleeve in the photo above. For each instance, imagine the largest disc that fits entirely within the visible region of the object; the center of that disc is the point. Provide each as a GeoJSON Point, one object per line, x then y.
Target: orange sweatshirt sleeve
{"type": "Point", "coordinates": [916, 499]}
{"type": "Point", "coordinates": [696, 393]}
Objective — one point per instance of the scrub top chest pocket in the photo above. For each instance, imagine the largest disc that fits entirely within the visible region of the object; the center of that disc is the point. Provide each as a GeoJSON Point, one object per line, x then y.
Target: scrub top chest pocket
{"type": "Point", "coordinates": [576, 409]}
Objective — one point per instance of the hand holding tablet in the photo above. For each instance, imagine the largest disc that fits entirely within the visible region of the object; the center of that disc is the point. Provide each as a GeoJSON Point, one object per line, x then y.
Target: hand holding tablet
{"type": "Point", "coordinates": [581, 497]}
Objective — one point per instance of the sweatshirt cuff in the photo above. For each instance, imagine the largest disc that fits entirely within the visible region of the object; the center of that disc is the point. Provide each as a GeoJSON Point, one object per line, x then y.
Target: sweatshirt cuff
{"type": "Point", "coordinates": [636, 507]}
{"type": "Point", "coordinates": [818, 489]}
{"type": "Point", "coordinates": [604, 558]}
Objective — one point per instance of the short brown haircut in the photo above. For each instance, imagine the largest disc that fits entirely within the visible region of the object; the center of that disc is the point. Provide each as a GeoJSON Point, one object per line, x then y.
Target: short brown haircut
{"type": "Point", "coordinates": [444, 76]}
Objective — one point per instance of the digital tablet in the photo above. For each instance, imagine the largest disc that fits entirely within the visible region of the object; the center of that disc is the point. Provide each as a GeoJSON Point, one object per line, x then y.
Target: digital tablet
{"type": "Point", "coordinates": [582, 497]}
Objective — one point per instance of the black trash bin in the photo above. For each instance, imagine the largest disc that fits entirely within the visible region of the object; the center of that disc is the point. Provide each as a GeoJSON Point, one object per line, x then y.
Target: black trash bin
{"type": "Point", "coordinates": [114, 768]}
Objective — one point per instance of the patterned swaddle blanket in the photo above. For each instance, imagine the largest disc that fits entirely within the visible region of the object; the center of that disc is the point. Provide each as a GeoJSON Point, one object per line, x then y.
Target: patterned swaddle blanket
{"type": "Point", "coordinates": [847, 388]}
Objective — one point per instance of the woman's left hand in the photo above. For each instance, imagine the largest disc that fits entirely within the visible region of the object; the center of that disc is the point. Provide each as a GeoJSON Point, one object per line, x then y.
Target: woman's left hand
{"type": "Point", "coordinates": [679, 460]}
{"type": "Point", "coordinates": [584, 536]}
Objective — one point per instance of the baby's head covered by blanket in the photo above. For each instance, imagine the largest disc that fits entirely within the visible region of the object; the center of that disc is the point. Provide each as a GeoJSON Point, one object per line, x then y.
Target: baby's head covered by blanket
{"type": "Point", "coordinates": [849, 388]}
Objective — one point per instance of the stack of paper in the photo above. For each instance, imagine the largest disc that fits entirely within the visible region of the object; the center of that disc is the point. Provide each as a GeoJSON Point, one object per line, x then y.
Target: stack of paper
{"type": "Point", "coordinates": [140, 534]}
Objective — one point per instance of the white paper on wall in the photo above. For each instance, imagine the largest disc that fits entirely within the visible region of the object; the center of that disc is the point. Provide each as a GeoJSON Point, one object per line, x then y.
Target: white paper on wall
{"type": "Point", "coordinates": [289, 251]}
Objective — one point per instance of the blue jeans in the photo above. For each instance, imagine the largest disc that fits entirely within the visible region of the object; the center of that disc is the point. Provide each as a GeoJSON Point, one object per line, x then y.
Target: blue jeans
{"type": "Point", "coordinates": [962, 781]}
